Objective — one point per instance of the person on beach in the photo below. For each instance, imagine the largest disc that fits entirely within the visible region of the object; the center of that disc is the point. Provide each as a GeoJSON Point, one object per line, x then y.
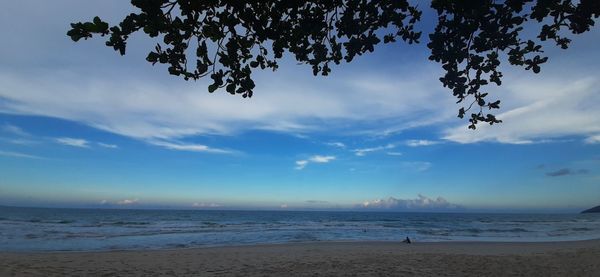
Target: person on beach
{"type": "Point", "coordinates": [407, 240]}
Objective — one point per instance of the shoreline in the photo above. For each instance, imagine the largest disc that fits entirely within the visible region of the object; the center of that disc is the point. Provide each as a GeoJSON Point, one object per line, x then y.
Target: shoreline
{"type": "Point", "coordinates": [419, 244]}
{"type": "Point", "coordinates": [573, 258]}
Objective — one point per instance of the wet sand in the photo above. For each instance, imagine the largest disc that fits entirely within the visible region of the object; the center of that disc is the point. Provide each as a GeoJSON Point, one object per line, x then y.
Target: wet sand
{"type": "Point", "coordinates": [580, 258]}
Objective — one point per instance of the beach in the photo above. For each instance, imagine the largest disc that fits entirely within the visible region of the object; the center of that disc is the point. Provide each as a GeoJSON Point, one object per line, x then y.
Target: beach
{"type": "Point", "coordinates": [575, 258]}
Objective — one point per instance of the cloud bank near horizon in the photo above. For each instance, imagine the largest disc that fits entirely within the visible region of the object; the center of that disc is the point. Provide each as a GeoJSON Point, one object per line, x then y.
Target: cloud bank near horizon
{"type": "Point", "coordinates": [421, 203]}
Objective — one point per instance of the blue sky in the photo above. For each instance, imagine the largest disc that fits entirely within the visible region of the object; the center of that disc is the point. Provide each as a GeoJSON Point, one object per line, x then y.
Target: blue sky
{"type": "Point", "coordinates": [81, 126]}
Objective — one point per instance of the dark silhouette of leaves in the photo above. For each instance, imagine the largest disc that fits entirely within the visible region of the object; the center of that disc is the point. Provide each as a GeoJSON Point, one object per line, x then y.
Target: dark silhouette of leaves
{"type": "Point", "coordinates": [231, 38]}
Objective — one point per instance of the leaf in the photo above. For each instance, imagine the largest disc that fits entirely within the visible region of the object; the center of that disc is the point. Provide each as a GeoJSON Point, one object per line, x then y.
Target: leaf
{"type": "Point", "coordinates": [212, 88]}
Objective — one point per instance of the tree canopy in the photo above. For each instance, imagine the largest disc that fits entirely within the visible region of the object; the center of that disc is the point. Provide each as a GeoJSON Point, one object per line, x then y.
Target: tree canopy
{"type": "Point", "coordinates": [228, 39]}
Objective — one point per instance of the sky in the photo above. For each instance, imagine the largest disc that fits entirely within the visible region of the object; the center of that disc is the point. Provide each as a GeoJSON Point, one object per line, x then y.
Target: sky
{"type": "Point", "coordinates": [81, 126]}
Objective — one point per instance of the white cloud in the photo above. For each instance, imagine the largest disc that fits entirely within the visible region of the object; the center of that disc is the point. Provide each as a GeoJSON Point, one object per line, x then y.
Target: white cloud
{"type": "Point", "coordinates": [83, 143]}
{"type": "Point", "coordinates": [16, 135]}
{"type": "Point", "coordinates": [106, 145]}
{"type": "Point", "coordinates": [147, 109]}
{"type": "Point", "coordinates": [15, 130]}
{"type": "Point", "coordinates": [363, 151]}
{"type": "Point", "coordinates": [420, 142]}
{"type": "Point", "coordinates": [321, 159]}
{"type": "Point", "coordinates": [205, 205]}
{"type": "Point", "coordinates": [420, 203]}
{"type": "Point", "coordinates": [18, 155]}
{"type": "Point", "coordinates": [337, 144]}
{"type": "Point", "coordinates": [592, 139]}
{"type": "Point", "coordinates": [20, 141]}
{"type": "Point", "coordinates": [75, 142]}
{"type": "Point", "coordinates": [192, 147]}
{"type": "Point", "coordinates": [128, 202]}
{"type": "Point", "coordinates": [284, 206]}
{"type": "Point", "coordinates": [394, 153]}
{"type": "Point", "coordinates": [301, 164]}
{"type": "Point", "coordinates": [543, 109]}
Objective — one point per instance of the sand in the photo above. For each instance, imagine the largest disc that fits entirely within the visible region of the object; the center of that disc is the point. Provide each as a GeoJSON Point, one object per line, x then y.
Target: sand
{"type": "Point", "coordinates": [580, 258]}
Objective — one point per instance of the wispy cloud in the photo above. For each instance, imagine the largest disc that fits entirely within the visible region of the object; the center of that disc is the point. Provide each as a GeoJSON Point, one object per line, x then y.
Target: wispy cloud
{"type": "Point", "coordinates": [321, 159]}
{"type": "Point", "coordinates": [566, 171]}
{"type": "Point", "coordinates": [16, 135]}
{"type": "Point", "coordinates": [542, 110]}
{"type": "Point", "coordinates": [420, 203]}
{"type": "Point", "coordinates": [83, 143]}
{"type": "Point", "coordinates": [20, 141]}
{"type": "Point", "coordinates": [74, 142]}
{"type": "Point", "coordinates": [107, 145]}
{"type": "Point", "coordinates": [364, 151]}
{"type": "Point", "coordinates": [169, 116]}
{"type": "Point", "coordinates": [191, 147]}
{"type": "Point", "coordinates": [392, 153]}
{"type": "Point", "coordinates": [14, 130]}
{"type": "Point", "coordinates": [420, 142]}
{"type": "Point", "coordinates": [337, 144]}
{"type": "Point", "coordinates": [301, 164]}
{"type": "Point", "coordinates": [26, 138]}
{"type": "Point", "coordinates": [18, 155]}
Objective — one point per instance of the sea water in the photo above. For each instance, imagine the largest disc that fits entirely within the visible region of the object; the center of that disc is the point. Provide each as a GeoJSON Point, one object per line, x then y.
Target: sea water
{"type": "Point", "coordinates": [44, 229]}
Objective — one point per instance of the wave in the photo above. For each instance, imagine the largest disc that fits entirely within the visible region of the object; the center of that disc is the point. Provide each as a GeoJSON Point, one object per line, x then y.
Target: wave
{"type": "Point", "coordinates": [122, 223]}
{"type": "Point", "coordinates": [513, 230]}
{"type": "Point", "coordinates": [37, 220]}
{"type": "Point", "coordinates": [473, 231]}
{"type": "Point", "coordinates": [576, 229]}
{"type": "Point", "coordinates": [101, 229]}
{"type": "Point", "coordinates": [302, 237]}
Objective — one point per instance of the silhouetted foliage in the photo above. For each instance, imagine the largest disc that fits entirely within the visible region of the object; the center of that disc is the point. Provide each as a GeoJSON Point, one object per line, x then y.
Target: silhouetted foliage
{"type": "Point", "coordinates": [231, 38]}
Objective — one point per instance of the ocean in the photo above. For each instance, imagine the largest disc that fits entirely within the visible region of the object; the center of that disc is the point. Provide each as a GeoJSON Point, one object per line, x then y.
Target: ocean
{"type": "Point", "coordinates": [45, 229]}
